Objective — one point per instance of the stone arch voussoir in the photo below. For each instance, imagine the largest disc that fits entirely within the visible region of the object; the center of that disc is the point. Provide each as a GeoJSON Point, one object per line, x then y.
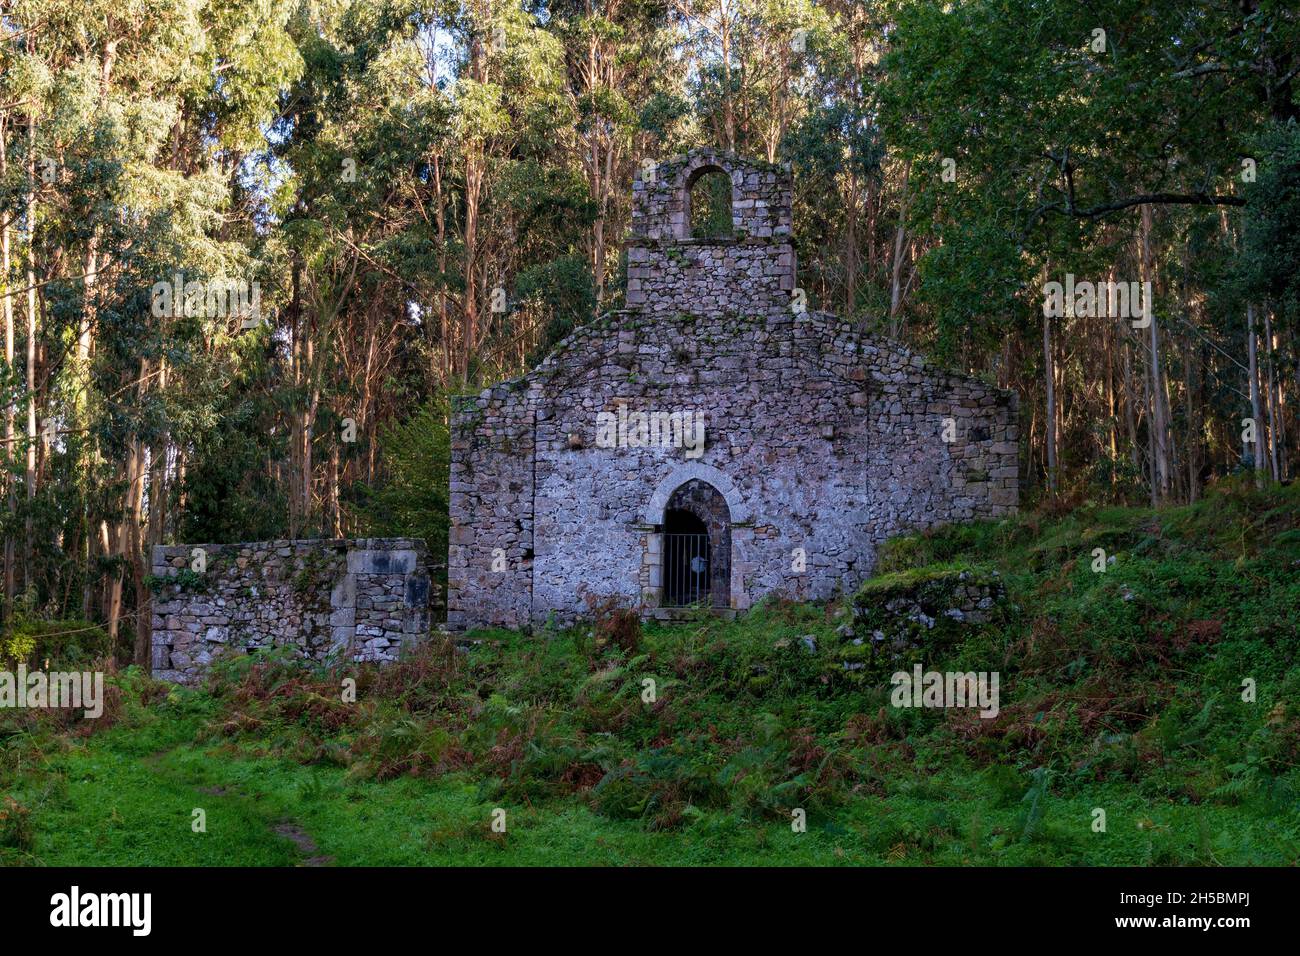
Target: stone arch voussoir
{"type": "Point", "coordinates": [654, 510]}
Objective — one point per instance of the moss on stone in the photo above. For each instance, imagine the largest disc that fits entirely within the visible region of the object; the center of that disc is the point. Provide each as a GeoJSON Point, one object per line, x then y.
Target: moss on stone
{"type": "Point", "coordinates": [910, 582]}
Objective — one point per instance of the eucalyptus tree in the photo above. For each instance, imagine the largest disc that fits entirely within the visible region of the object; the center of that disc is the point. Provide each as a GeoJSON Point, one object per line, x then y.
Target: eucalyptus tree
{"type": "Point", "coordinates": [129, 115]}
{"type": "Point", "coordinates": [1048, 137]}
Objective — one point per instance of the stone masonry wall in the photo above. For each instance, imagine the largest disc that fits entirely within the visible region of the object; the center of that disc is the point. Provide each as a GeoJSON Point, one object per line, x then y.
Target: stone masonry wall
{"type": "Point", "coordinates": [822, 442]}
{"type": "Point", "coordinates": [698, 277]}
{"type": "Point", "coordinates": [492, 458]}
{"type": "Point", "coordinates": [361, 600]}
{"type": "Point", "coordinates": [902, 617]}
{"type": "Point", "coordinates": [761, 197]}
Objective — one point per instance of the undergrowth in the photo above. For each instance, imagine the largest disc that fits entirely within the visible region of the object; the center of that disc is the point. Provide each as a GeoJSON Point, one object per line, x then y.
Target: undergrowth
{"type": "Point", "coordinates": [1126, 687]}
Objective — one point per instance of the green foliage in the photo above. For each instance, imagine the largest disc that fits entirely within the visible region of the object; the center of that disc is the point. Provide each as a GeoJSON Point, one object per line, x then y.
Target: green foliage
{"type": "Point", "coordinates": [711, 206]}
{"type": "Point", "coordinates": [1119, 690]}
{"type": "Point", "coordinates": [902, 553]}
{"type": "Point", "coordinates": [1271, 231]}
{"type": "Point", "coordinates": [411, 498]}
{"type": "Point", "coordinates": [561, 294]}
{"type": "Point", "coordinates": [64, 644]}
{"type": "Point", "coordinates": [916, 581]}
{"type": "Point", "coordinates": [229, 495]}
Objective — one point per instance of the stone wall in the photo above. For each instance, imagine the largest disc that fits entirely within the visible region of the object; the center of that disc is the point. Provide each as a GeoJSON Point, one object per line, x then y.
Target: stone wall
{"type": "Point", "coordinates": [761, 197]}
{"type": "Point", "coordinates": [698, 276]}
{"type": "Point", "coordinates": [361, 600]}
{"type": "Point", "coordinates": [492, 456]}
{"type": "Point", "coordinates": [908, 616]}
{"type": "Point", "coordinates": [820, 442]}
{"type": "Point", "coordinates": [823, 442]}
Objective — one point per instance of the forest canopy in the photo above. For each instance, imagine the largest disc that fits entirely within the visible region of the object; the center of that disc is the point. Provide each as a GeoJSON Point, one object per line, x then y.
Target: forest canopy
{"type": "Point", "coordinates": [361, 207]}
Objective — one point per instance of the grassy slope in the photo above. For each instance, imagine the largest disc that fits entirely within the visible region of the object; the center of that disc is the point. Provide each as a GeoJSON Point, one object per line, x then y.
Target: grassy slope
{"type": "Point", "coordinates": [1120, 691]}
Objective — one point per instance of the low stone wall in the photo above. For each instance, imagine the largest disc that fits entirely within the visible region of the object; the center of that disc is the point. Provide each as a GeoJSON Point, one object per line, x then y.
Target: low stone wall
{"type": "Point", "coordinates": [908, 615]}
{"type": "Point", "coordinates": [361, 600]}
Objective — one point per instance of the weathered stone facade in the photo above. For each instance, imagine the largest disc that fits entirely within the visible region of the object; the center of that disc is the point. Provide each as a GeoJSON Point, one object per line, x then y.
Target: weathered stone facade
{"type": "Point", "coordinates": [361, 600]}
{"type": "Point", "coordinates": [818, 441]}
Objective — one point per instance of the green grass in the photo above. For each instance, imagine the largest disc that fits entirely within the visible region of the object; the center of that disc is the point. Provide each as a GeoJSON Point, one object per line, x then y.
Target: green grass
{"type": "Point", "coordinates": [119, 807]}
{"type": "Point", "coordinates": [1121, 692]}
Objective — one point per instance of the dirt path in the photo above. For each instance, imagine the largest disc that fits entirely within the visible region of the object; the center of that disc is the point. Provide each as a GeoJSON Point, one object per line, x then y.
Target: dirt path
{"type": "Point", "coordinates": [305, 844]}
{"type": "Point", "coordinates": [291, 831]}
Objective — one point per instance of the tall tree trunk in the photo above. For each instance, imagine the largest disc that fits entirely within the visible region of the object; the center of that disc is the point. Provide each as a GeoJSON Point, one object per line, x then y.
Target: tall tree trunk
{"type": "Point", "coordinates": [475, 160]}
{"type": "Point", "coordinates": [1191, 374]}
{"type": "Point", "coordinates": [11, 411]}
{"type": "Point", "coordinates": [440, 220]}
{"type": "Point", "coordinates": [851, 246]}
{"type": "Point", "coordinates": [473, 194]}
{"type": "Point", "coordinates": [135, 550]}
{"type": "Point", "coordinates": [1274, 418]}
{"type": "Point", "coordinates": [1112, 405]}
{"type": "Point", "coordinates": [728, 103]}
{"type": "Point", "coordinates": [598, 75]}
{"type": "Point", "coordinates": [1130, 394]}
{"type": "Point", "coordinates": [158, 484]}
{"type": "Point", "coordinates": [86, 330]}
{"type": "Point", "coordinates": [335, 511]}
{"type": "Point", "coordinates": [1049, 379]}
{"type": "Point", "coordinates": [1256, 407]}
{"type": "Point", "coordinates": [1295, 351]}
{"type": "Point", "coordinates": [1158, 425]}
{"type": "Point", "coordinates": [297, 331]}
{"type": "Point", "coordinates": [30, 562]}
{"type": "Point", "coordinates": [895, 283]}
{"type": "Point", "coordinates": [307, 433]}
{"type": "Point", "coordinates": [106, 599]}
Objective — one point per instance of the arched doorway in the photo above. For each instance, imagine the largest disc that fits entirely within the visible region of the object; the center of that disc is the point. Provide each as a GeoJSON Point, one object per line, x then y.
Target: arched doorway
{"type": "Point", "coordinates": [697, 547]}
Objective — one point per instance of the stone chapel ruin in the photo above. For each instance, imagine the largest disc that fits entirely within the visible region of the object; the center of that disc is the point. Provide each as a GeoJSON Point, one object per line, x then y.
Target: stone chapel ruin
{"type": "Point", "coordinates": [712, 442]}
